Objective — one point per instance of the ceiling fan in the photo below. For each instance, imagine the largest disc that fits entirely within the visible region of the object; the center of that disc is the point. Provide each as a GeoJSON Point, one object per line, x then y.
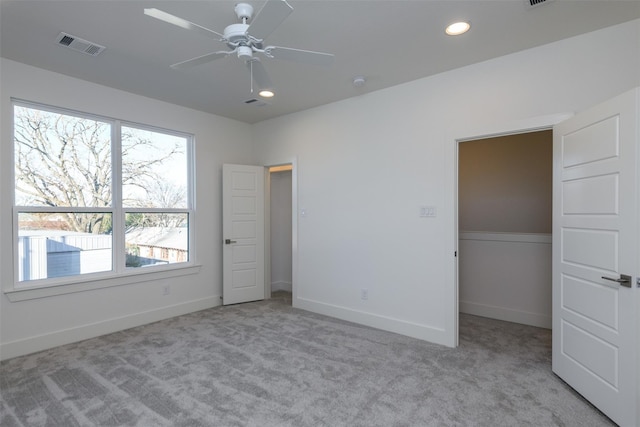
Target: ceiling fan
{"type": "Point", "coordinates": [246, 39]}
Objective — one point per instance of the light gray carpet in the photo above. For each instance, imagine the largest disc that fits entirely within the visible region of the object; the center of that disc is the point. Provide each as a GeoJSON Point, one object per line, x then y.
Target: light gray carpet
{"type": "Point", "coordinates": [267, 364]}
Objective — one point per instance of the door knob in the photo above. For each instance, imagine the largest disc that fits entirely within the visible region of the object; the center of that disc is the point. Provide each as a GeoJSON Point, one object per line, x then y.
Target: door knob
{"type": "Point", "coordinates": [624, 280]}
{"type": "Point", "coordinates": [229, 241]}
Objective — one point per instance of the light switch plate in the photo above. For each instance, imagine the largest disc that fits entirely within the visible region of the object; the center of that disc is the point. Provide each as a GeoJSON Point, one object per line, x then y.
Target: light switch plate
{"type": "Point", "coordinates": [427, 212]}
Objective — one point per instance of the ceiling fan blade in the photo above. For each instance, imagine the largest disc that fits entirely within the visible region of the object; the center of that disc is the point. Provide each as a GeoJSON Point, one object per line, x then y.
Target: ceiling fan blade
{"type": "Point", "coordinates": [171, 19]}
{"type": "Point", "coordinates": [259, 74]}
{"type": "Point", "coordinates": [269, 18]}
{"type": "Point", "coordinates": [200, 60]}
{"type": "Point", "coordinates": [298, 55]}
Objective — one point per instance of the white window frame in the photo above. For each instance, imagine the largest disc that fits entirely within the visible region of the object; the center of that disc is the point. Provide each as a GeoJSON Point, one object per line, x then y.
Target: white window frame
{"type": "Point", "coordinates": [119, 274]}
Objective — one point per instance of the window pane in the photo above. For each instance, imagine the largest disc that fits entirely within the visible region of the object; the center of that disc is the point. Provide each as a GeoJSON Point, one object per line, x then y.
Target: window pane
{"type": "Point", "coordinates": [156, 238]}
{"type": "Point", "coordinates": [154, 169]}
{"type": "Point", "coordinates": [61, 160]}
{"type": "Point", "coordinates": [63, 244]}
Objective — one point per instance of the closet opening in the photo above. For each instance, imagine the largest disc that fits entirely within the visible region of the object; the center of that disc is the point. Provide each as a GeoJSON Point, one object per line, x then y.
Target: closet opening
{"type": "Point", "coordinates": [280, 276]}
{"type": "Point", "coordinates": [504, 227]}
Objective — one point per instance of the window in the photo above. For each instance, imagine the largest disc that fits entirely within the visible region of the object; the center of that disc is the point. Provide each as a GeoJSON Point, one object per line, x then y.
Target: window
{"type": "Point", "coordinates": [97, 196]}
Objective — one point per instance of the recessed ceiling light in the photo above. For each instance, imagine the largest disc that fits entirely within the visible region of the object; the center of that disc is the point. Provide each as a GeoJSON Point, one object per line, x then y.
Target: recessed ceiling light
{"type": "Point", "coordinates": [266, 93]}
{"type": "Point", "coordinates": [457, 28]}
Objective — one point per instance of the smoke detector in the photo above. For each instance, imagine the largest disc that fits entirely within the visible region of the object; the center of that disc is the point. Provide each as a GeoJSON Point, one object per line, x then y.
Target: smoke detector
{"type": "Point", "coordinates": [359, 81]}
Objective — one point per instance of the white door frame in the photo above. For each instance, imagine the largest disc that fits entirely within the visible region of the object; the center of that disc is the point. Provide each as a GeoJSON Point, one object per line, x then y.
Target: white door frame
{"type": "Point", "coordinates": [294, 228]}
{"type": "Point", "coordinates": [474, 133]}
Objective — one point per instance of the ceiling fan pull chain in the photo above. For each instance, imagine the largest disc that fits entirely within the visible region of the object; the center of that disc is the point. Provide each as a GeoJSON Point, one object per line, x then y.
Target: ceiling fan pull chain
{"type": "Point", "coordinates": [251, 74]}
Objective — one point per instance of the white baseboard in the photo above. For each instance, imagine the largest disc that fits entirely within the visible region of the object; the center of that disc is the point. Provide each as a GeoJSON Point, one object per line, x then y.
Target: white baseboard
{"type": "Point", "coordinates": [281, 286]}
{"type": "Point", "coordinates": [506, 314]}
{"type": "Point", "coordinates": [67, 336]}
{"type": "Point", "coordinates": [402, 327]}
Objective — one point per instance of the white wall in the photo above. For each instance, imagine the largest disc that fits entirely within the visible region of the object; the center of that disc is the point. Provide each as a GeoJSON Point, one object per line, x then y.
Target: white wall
{"type": "Point", "coordinates": [365, 165]}
{"type": "Point", "coordinates": [32, 325]}
{"type": "Point", "coordinates": [506, 276]}
{"type": "Point", "coordinates": [280, 219]}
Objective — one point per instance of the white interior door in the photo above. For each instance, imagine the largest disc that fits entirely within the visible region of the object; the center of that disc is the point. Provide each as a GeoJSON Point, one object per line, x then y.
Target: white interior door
{"type": "Point", "coordinates": [243, 233]}
{"type": "Point", "coordinates": [595, 241]}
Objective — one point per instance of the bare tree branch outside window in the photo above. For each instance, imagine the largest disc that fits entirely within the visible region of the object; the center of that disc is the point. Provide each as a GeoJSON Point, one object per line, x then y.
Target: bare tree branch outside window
{"type": "Point", "coordinates": [65, 161]}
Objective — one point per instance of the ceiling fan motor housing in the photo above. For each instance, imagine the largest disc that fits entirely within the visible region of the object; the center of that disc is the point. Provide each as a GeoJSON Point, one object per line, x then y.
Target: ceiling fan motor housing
{"type": "Point", "coordinates": [236, 33]}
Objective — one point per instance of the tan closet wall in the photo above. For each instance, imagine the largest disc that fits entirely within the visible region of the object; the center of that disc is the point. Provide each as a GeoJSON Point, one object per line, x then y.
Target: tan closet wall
{"type": "Point", "coordinates": [505, 183]}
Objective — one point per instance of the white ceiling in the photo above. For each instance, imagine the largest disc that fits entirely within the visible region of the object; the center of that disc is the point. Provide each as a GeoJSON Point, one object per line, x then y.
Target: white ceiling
{"type": "Point", "coordinates": [390, 42]}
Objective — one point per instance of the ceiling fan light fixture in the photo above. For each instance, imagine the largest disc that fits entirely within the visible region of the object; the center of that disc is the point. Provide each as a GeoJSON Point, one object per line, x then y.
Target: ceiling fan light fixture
{"type": "Point", "coordinates": [266, 93]}
{"type": "Point", "coordinates": [245, 52]}
{"type": "Point", "coordinates": [457, 28]}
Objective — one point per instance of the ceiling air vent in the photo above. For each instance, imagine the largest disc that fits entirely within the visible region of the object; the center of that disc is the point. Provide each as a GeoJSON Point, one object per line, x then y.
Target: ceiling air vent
{"type": "Point", "coordinates": [78, 44]}
{"type": "Point", "coordinates": [534, 3]}
{"type": "Point", "coordinates": [256, 102]}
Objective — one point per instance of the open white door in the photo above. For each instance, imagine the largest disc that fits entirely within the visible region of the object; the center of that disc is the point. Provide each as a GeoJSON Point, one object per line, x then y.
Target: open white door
{"type": "Point", "coordinates": [595, 248]}
{"type": "Point", "coordinates": [243, 233]}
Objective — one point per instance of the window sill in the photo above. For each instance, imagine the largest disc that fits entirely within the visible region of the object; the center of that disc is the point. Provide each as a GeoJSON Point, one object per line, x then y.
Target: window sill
{"type": "Point", "coordinates": [15, 295]}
